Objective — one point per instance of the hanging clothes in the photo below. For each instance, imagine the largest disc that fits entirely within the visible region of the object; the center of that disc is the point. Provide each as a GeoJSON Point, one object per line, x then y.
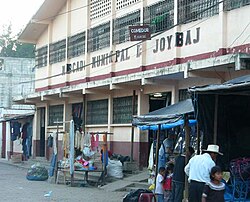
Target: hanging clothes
{"type": "Point", "coordinates": [78, 138]}
{"type": "Point", "coordinates": [66, 144]}
{"type": "Point", "coordinates": [92, 142]}
{"type": "Point", "coordinates": [54, 143]}
{"type": "Point", "coordinates": [87, 140]}
{"type": "Point", "coordinates": [15, 130]}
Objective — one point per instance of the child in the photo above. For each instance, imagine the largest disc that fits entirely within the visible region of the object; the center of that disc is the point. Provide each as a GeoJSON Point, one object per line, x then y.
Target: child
{"type": "Point", "coordinates": [167, 186]}
{"type": "Point", "coordinates": [214, 190]}
{"type": "Point", "coordinates": [159, 185]}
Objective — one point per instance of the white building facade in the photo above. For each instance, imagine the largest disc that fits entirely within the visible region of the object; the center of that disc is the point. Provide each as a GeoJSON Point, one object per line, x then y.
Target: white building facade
{"type": "Point", "coordinates": [85, 61]}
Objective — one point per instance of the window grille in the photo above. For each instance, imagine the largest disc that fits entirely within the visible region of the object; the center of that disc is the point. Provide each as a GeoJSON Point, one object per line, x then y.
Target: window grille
{"type": "Point", "coordinates": [233, 4]}
{"type": "Point", "coordinates": [190, 10]}
{"type": "Point", "coordinates": [97, 112]}
{"type": "Point", "coordinates": [121, 31]}
{"type": "Point", "coordinates": [41, 57]}
{"type": "Point", "coordinates": [57, 51]}
{"type": "Point", "coordinates": [184, 94]}
{"type": "Point", "coordinates": [122, 109]}
{"type": "Point", "coordinates": [76, 45]}
{"type": "Point", "coordinates": [55, 114]}
{"type": "Point", "coordinates": [160, 15]}
{"type": "Point", "coordinates": [120, 4]}
{"type": "Point", "coordinates": [99, 8]}
{"type": "Point", "coordinates": [99, 37]}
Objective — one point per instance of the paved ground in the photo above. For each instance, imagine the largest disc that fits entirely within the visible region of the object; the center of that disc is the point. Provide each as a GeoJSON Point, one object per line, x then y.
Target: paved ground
{"type": "Point", "coordinates": [15, 187]}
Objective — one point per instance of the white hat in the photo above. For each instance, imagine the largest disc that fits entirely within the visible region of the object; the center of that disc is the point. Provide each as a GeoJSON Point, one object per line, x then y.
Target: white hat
{"type": "Point", "coordinates": [213, 148]}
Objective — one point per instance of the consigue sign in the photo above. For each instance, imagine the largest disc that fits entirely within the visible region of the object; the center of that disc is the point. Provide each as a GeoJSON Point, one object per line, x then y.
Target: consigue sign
{"type": "Point", "coordinates": [138, 33]}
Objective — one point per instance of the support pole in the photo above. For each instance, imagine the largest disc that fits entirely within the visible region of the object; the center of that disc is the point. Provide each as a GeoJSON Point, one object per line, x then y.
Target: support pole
{"type": "Point", "coordinates": [157, 151]}
{"type": "Point", "coordinates": [132, 129]}
{"type": "Point", "coordinates": [72, 151]}
{"type": "Point", "coordinates": [198, 139]}
{"type": "Point", "coordinates": [187, 143]}
{"type": "Point", "coordinates": [215, 119]}
{"type": "Point", "coordinates": [56, 166]}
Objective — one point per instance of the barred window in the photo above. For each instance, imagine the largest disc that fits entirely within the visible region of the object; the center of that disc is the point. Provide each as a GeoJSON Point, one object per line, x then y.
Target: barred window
{"type": "Point", "coordinates": [97, 112]}
{"type": "Point", "coordinates": [183, 94]}
{"type": "Point", "coordinates": [121, 31]}
{"type": "Point", "coordinates": [160, 15]}
{"type": "Point", "coordinates": [57, 51]}
{"type": "Point", "coordinates": [99, 37]}
{"type": "Point", "coordinates": [55, 114]}
{"type": "Point", "coordinates": [122, 109]}
{"type": "Point", "coordinates": [233, 4]}
{"type": "Point", "coordinates": [76, 45]}
{"type": "Point", "coordinates": [190, 10]}
{"type": "Point", "coordinates": [41, 57]}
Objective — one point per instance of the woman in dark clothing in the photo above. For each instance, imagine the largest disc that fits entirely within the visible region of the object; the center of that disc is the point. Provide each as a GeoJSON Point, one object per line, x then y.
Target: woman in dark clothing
{"type": "Point", "coordinates": [214, 190]}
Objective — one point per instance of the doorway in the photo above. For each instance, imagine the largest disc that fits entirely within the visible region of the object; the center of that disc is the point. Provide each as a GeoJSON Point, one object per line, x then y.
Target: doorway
{"type": "Point", "coordinates": [157, 101]}
{"type": "Point", "coordinates": [42, 132]}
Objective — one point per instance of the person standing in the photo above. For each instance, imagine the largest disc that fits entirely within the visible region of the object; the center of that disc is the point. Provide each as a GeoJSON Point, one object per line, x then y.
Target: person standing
{"type": "Point", "coordinates": [198, 171]}
{"type": "Point", "coordinates": [159, 191]}
{"type": "Point", "coordinates": [179, 176]}
{"type": "Point", "coordinates": [214, 190]}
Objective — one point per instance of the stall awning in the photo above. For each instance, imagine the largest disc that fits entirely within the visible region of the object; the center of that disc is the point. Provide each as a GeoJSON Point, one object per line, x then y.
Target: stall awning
{"type": "Point", "coordinates": [16, 117]}
{"type": "Point", "coordinates": [165, 126]}
{"type": "Point", "coordinates": [237, 86]}
{"type": "Point", "coordinates": [170, 114]}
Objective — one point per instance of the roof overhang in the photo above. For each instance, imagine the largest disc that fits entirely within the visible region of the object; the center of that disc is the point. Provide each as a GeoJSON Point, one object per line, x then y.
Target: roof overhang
{"type": "Point", "coordinates": [39, 22]}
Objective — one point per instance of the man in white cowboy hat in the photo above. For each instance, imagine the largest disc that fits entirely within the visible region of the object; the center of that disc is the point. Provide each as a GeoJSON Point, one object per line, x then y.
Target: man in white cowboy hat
{"type": "Point", "coordinates": [198, 171]}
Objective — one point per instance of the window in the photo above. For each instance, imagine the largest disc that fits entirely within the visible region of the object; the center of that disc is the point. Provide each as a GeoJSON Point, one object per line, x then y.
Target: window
{"type": "Point", "coordinates": [183, 94]}
{"type": "Point", "coordinates": [57, 51]}
{"type": "Point", "coordinates": [190, 10]}
{"type": "Point", "coordinates": [122, 109]}
{"type": "Point", "coordinates": [121, 32]}
{"type": "Point", "coordinates": [160, 16]}
{"type": "Point", "coordinates": [232, 4]}
{"type": "Point", "coordinates": [99, 37]}
{"type": "Point", "coordinates": [41, 57]}
{"type": "Point", "coordinates": [55, 114]}
{"type": "Point", "coordinates": [97, 112]}
{"type": "Point", "coordinates": [76, 45]}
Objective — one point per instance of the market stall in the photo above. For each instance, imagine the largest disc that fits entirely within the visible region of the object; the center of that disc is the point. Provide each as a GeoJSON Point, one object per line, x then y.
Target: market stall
{"type": "Point", "coordinates": [178, 114]}
{"type": "Point", "coordinates": [223, 114]}
{"type": "Point", "coordinates": [82, 153]}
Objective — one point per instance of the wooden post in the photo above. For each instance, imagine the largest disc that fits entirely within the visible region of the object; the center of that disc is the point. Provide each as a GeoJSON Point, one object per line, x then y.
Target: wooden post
{"type": "Point", "coordinates": [157, 151]}
{"type": "Point", "coordinates": [56, 166]}
{"type": "Point", "coordinates": [187, 143]}
{"type": "Point", "coordinates": [215, 118]}
{"type": "Point", "coordinates": [132, 129]}
{"type": "Point", "coordinates": [198, 139]}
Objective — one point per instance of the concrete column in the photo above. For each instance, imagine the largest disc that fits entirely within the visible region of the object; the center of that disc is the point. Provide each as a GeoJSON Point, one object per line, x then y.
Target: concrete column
{"type": "Point", "coordinates": [88, 25]}
{"type": "Point", "coordinates": [223, 25]}
{"type": "Point", "coordinates": [175, 94]}
{"type": "Point", "coordinates": [68, 33]}
{"type": "Point", "coordinates": [50, 30]}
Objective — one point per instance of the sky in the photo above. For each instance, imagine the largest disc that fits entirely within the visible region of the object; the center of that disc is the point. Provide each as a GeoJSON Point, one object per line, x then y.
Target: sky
{"type": "Point", "coordinates": [17, 12]}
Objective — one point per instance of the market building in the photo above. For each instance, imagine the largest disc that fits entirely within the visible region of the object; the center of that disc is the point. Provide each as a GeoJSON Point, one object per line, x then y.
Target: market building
{"type": "Point", "coordinates": [88, 67]}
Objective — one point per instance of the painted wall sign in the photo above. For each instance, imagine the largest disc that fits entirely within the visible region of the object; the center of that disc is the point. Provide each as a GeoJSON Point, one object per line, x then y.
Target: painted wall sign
{"type": "Point", "coordinates": [164, 43]}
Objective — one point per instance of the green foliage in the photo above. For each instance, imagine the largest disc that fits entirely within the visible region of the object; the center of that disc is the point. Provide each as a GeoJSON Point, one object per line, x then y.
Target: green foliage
{"type": "Point", "coordinates": [10, 47]}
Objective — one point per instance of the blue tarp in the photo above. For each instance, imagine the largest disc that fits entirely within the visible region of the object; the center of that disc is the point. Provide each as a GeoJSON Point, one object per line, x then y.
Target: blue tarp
{"type": "Point", "coordinates": [167, 125]}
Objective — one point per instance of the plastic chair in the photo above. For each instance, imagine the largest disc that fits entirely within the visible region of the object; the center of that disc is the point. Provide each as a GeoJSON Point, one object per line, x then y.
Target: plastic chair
{"type": "Point", "coordinates": [147, 197]}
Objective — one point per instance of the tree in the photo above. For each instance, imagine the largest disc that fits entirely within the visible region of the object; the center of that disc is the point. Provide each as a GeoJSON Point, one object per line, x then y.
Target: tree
{"type": "Point", "coordinates": [10, 47]}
